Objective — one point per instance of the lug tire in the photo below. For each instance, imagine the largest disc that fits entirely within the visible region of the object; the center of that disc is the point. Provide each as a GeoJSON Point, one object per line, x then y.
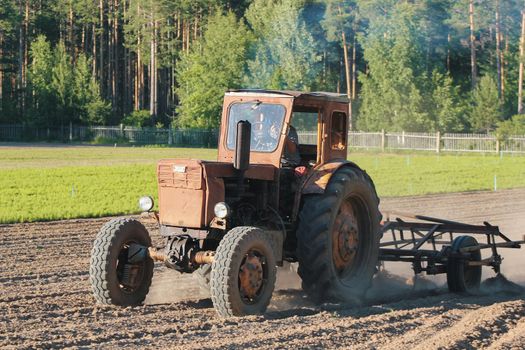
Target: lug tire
{"type": "Point", "coordinates": [225, 274]}
{"type": "Point", "coordinates": [462, 278]}
{"type": "Point", "coordinates": [322, 280]}
{"type": "Point", "coordinates": [109, 244]}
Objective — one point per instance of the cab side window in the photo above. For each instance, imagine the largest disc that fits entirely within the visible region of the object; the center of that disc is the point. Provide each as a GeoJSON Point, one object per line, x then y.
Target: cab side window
{"type": "Point", "coordinates": [338, 133]}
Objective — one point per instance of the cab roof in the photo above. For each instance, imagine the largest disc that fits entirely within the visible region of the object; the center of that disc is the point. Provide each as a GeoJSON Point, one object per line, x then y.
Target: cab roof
{"type": "Point", "coordinates": [317, 95]}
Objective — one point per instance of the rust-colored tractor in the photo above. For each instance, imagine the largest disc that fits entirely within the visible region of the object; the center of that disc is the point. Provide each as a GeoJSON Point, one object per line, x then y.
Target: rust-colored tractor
{"type": "Point", "coordinates": [280, 190]}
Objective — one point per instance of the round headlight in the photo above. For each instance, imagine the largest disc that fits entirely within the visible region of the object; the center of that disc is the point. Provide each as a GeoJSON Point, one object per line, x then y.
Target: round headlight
{"type": "Point", "coordinates": [146, 203]}
{"type": "Point", "coordinates": [221, 210]}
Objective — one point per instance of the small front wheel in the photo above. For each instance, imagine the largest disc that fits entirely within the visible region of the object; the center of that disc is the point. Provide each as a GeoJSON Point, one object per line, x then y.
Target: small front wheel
{"type": "Point", "coordinates": [120, 272]}
{"type": "Point", "coordinates": [462, 276]}
{"type": "Point", "coordinates": [243, 273]}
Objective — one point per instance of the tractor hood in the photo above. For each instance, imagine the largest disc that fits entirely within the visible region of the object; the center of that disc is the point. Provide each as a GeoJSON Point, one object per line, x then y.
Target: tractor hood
{"type": "Point", "coordinates": [189, 189]}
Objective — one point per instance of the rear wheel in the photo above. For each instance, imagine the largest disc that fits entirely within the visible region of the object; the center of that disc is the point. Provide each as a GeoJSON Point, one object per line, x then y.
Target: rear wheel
{"type": "Point", "coordinates": [460, 276]}
{"type": "Point", "coordinates": [338, 238]}
{"type": "Point", "coordinates": [120, 271]}
{"type": "Point", "coordinates": [243, 273]}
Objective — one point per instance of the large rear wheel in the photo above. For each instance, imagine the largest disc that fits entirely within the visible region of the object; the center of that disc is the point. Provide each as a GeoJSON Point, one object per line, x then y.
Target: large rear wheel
{"type": "Point", "coordinates": [243, 273]}
{"type": "Point", "coordinates": [338, 238]}
{"type": "Point", "coordinates": [120, 271]}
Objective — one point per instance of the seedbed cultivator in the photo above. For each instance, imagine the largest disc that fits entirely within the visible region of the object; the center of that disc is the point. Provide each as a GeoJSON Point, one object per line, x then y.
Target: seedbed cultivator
{"type": "Point", "coordinates": [438, 246]}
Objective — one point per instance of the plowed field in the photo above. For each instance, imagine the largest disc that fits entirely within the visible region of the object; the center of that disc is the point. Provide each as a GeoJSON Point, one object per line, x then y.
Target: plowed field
{"type": "Point", "coordinates": [46, 302]}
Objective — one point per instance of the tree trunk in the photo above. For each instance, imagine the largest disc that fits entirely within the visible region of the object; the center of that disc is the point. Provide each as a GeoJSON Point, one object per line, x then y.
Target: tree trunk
{"type": "Point", "coordinates": [115, 65]}
{"type": "Point", "coordinates": [1, 72]}
{"type": "Point", "coordinates": [498, 51]}
{"type": "Point", "coordinates": [473, 68]}
{"type": "Point", "coordinates": [94, 50]}
{"type": "Point", "coordinates": [348, 82]}
{"type": "Point", "coordinates": [71, 40]}
{"type": "Point", "coordinates": [354, 69]}
{"type": "Point", "coordinates": [153, 69]}
{"type": "Point", "coordinates": [448, 52]}
{"type": "Point", "coordinates": [522, 54]}
{"type": "Point", "coordinates": [21, 42]}
{"type": "Point", "coordinates": [101, 48]}
{"type": "Point", "coordinates": [504, 54]}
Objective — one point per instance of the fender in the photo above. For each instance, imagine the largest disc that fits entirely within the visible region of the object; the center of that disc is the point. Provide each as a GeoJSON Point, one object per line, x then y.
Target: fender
{"type": "Point", "coordinates": [317, 180]}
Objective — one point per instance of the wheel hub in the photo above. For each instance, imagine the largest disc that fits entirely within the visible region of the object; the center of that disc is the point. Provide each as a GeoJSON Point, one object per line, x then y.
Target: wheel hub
{"type": "Point", "coordinates": [345, 238]}
{"type": "Point", "coordinates": [251, 275]}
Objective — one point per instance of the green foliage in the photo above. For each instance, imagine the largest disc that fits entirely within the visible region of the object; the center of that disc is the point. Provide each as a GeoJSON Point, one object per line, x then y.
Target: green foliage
{"type": "Point", "coordinates": [62, 82]}
{"type": "Point", "coordinates": [63, 93]}
{"type": "Point", "coordinates": [288, 44]}
{"type": "Point", "coordinates": [446, 109]}
{"type": "Point", "coordinates": [215, 64]}
{"type": "Point", "coordinates": [285, 56]}
{"type": "Point", "coordinates": [40, 78]}
{"type": "Point", "coordinates": [512, 127]}
{"type": "Point", "coordinates": [139, 119]}
{"type": "Point", "coordinates": [92, 109]}
{"type": "Point", "coordinates": [61, 183]}
{"type": "Point", "coordinates": [393, 90]}
{"type": "Point", "coordinates": [485, 110]}
{"type": "Point", "coordinates": [101, 140]}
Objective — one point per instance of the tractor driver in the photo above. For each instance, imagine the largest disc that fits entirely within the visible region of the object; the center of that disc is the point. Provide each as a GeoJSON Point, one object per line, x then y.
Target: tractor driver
{"type": "Point", "coordinates": [266, 133]}
{"type": "Point", "coordinates": [291, 156]}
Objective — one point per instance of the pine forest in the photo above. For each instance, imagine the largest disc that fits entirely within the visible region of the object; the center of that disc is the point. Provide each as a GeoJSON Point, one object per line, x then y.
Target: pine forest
{"type": "Point", "coordinates": [412, 65]}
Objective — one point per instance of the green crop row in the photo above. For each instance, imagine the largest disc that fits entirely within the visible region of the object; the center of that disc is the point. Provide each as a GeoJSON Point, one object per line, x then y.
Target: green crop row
{"type": "Point", "coordinates": [62, 183]}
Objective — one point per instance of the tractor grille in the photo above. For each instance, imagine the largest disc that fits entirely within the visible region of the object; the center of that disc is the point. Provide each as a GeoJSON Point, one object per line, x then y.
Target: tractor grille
{"type": "Point", "coordinates": [180, 175]}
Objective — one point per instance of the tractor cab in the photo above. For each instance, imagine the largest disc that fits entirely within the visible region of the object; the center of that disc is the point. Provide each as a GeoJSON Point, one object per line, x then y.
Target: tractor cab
{"type": "Point", "coordinates": [319, 118]}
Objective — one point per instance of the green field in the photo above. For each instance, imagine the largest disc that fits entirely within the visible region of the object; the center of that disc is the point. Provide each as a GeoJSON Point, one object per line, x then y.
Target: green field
{"type": "Point", "coordinates": [48, 183]}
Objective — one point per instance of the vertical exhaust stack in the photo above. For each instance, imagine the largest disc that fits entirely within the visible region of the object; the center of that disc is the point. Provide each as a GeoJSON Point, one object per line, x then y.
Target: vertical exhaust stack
{"type": "Point", "coordinates": [241, 162]}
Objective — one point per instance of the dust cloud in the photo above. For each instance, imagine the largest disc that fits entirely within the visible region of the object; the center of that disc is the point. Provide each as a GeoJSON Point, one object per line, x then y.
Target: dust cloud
{"type": "Point", "coordinates": [169, 286]}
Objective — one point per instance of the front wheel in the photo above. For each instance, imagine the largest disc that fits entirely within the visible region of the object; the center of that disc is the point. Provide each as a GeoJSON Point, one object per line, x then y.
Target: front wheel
{"type": "Point", "coordinates": [243, 273]}
{"type": "Point", "coordinates": [120, 272]}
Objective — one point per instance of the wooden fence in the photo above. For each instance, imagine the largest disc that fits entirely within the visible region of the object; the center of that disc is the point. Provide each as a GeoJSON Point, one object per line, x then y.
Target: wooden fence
{"type": "Point", "coordinates": [435, 142]}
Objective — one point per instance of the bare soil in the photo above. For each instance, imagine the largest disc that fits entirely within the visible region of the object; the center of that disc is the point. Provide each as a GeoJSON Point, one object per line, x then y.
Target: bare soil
{"type": "Point", "coordinates": [46, 301]}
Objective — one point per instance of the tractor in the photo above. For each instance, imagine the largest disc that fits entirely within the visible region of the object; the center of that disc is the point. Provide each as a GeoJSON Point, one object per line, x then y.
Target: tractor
{"type": "Point", "coordinates": [281, 190]}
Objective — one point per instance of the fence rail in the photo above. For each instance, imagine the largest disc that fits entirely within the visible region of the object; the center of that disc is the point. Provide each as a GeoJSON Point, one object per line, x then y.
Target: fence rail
{"type": "Point", "coordinates": [436, 142]}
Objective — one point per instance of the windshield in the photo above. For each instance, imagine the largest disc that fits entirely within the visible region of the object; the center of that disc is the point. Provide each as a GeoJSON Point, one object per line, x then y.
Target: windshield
{"type": "Point", "coordinates": [266, 120]}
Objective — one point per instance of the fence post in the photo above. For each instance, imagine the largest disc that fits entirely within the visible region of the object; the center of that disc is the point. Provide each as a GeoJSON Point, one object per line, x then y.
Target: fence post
{"type": "Point", "coordinates": [497, 146]}
{"type": "Point", "coordinates": [122, 131]}
{"type": "Point", "coordinates": [383, 140]}
{"type": "Point", "coordinates": [170, 135]}
{"type": "Point", "coordinates": [70, 131]}
{"type": "Point", "coordinates": [438, 142]}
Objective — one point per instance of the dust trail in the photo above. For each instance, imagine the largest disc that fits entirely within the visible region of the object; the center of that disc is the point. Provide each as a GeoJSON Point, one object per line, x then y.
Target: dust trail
{"type": "Point", "coordinates": [169, 286]}
{"type": "Point", "coordinates": [287, 277]}
{"type": "Point", "coordinates": [388, 287]}
{"type": "Point", "coordinates": [501, 285]}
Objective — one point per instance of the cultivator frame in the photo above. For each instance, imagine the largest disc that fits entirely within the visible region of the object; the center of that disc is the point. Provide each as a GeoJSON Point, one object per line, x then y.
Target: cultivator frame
{"type": "Point", "coordinates": [427, 243]}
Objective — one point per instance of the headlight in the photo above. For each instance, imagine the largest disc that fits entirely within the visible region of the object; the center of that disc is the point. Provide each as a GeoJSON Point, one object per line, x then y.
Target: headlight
{"type": "Point", "coordinates": [146, 203]}
{"type": "Point", "coordinates": [221, 210]}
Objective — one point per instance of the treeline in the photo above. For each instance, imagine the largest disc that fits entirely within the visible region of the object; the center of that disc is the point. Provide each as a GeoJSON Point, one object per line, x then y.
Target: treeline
{"type": "Point", "coordinates": [420, 65]}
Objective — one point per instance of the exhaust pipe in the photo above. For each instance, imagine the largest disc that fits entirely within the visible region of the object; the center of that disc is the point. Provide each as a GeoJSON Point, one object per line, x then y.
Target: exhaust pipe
{"type": "Point", "coordinates": [241, 162]}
